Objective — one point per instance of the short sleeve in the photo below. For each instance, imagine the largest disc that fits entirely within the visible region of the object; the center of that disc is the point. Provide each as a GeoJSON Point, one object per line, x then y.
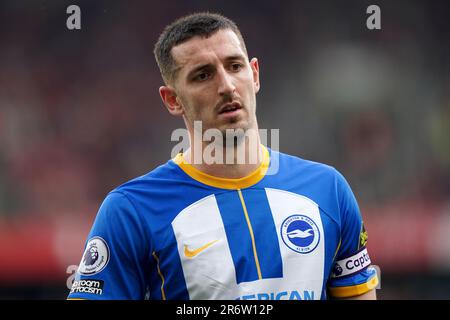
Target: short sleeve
{"type": "Point", "coordinates": [352, 273]}
{"type": "Point", "coordinates": [115, 255]}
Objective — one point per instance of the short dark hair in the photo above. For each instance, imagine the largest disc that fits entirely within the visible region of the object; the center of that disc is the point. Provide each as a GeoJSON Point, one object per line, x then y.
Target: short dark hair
{"type": "Point", "coordinates": [198, 24]}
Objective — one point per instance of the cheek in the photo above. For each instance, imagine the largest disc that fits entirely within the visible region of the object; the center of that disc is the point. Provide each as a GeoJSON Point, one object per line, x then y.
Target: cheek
{"type": "Point", "coordinates": [197, 104]}
{"type": "Point", "coordinates": [248, 90]}
{"type": "Point", "coordinates": [204, 99]}
{"type": "Point", "coordinates": [186, 103]}
{"type": "Point", "coordinates": [249, 84]}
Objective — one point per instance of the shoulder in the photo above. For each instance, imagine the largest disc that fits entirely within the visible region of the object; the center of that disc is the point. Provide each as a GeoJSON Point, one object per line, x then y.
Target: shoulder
{"type": "Point", "coordinates": [152, 180]}
{"type": "Point", "coordinates": [322, 183]}
{"type": "Point", "coordinates": [292, 165]}
{"type": "Point", "coordinates": [130, 196]}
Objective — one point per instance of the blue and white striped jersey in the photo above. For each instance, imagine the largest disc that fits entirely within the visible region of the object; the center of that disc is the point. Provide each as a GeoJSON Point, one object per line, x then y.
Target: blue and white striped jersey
{"type": "Point", "coordinates": [178, 233]}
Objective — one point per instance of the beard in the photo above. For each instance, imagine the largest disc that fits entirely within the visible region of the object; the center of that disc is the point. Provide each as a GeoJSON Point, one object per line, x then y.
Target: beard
{"type": "Point", "coordinates": [232, 138]}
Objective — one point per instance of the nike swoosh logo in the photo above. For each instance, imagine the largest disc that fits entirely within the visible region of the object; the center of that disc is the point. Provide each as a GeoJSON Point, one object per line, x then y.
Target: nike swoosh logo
{"type": "Point", "coordinates": [192, 253]}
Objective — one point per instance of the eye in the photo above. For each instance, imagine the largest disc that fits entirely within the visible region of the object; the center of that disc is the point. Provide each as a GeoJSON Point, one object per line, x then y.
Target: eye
{"type": "Point", "coordinates": [202, 76]}
{"type": "Point", "coordinates": [236, 67]}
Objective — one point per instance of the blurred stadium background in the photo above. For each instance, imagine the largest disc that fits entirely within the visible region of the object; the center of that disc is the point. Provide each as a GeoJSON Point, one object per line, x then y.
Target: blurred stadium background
{"type": "Point", "coordinates": [80, 113]}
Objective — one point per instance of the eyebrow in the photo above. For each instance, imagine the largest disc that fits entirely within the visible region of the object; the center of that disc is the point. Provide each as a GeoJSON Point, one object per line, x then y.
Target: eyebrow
{"type": "Point", "coordinates": [235, 57]}
{"type": "Point", "coordinates": [199, 68]}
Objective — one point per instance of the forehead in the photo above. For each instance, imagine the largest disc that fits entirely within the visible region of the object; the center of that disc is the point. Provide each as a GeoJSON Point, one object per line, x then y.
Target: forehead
{"type": "Point", "coordinates": [199, 50]}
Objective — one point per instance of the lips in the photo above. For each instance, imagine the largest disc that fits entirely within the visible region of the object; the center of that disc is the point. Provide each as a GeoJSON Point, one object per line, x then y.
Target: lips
{"type": "Point", "coordinates": [230, 107]}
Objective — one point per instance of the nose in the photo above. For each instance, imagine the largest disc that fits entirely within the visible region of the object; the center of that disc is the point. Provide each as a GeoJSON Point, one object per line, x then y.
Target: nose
{"type": "Point", "coordinates": [226, 85]}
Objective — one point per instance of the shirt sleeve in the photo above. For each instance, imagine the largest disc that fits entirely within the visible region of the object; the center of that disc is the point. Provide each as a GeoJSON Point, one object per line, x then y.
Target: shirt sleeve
{"type": "Point", "coordinates": [352, 273]}
{"type": "Point", "coordinates": [115, 255]}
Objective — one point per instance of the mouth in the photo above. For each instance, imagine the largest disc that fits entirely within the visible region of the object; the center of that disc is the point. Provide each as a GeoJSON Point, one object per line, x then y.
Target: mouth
{"type": "Point", "coordinates": [230, 108]}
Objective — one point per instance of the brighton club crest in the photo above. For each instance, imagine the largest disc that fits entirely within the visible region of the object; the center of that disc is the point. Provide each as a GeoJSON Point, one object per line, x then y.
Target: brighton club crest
{"type": "Point", "coordinates": [300, 233]}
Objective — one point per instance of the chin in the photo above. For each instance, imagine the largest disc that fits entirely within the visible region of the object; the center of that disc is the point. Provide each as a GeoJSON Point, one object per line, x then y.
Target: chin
{"type": "Point", "coordinates": [234, 126]}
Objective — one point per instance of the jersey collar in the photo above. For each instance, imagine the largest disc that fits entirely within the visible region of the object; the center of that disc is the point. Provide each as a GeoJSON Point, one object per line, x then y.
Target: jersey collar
{"type": "Point", "coordinates": [224, 183]}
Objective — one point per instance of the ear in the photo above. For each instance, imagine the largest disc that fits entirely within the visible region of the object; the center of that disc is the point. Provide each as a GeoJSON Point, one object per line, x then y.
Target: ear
{"type": "Point", "coordinates": [171, 100]}
{"type": "Point", "coordinates": [255, 69]}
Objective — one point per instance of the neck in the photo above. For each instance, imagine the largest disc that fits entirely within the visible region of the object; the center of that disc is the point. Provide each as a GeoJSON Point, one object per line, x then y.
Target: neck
{"type": "Point", "coordinates": [233, 160]}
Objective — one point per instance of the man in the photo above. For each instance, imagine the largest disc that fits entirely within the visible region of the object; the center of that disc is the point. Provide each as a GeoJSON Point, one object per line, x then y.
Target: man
{"type": "Point", "coordinates": [192, 229]}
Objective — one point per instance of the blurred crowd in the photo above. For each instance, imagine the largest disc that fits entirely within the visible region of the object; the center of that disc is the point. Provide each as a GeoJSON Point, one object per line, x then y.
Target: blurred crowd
{"type": "Point", "coordinates": [80, 111]}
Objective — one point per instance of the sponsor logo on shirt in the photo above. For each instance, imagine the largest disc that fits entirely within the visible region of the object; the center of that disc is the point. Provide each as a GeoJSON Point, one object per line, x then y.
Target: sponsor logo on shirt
{"type": "Point", "coordinates": [363, 237]}
{"type": "Point", "coordinates": [88, 286]}
{"type": "Point", "coordinates": [95, 257]}
{"type": "Point", "coordinates": [281, 295]}
{"type": "Point", "coordinates": [192, 253]}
